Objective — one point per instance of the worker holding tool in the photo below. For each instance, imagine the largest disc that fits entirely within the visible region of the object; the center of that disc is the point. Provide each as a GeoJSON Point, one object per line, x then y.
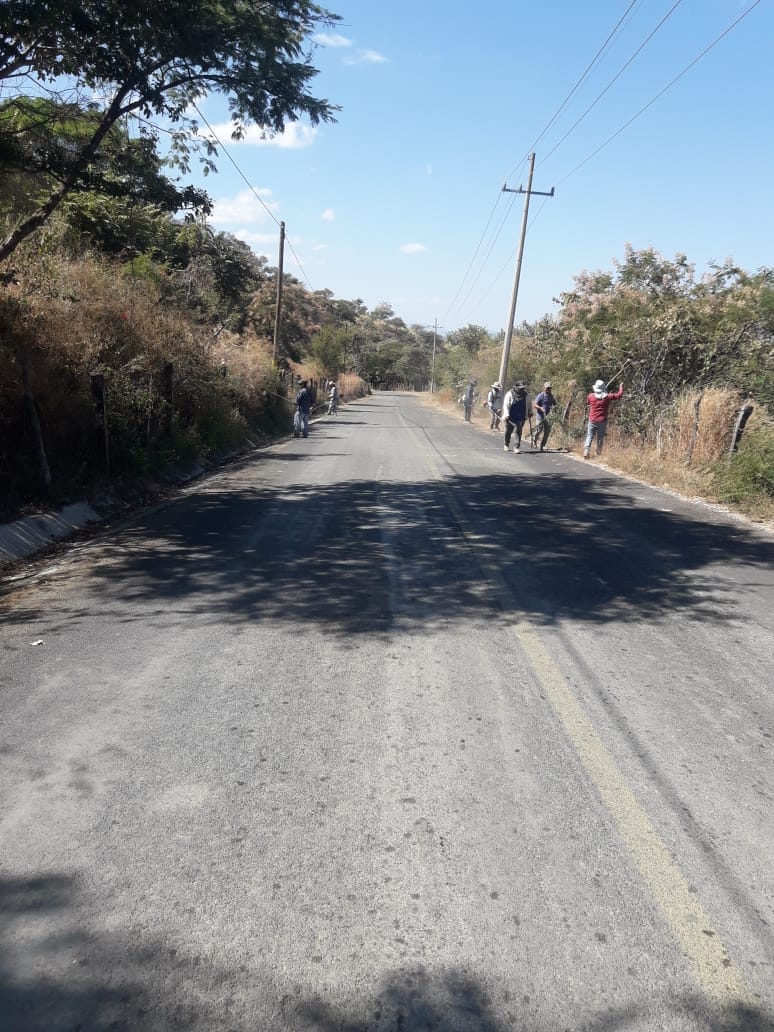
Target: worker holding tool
{"type": "Point", "coordinates": [514, 414]}
{"type": "Point", "coordinates": [598, 404]}
{"type": "Point", "coordinates": [543, 404]}
{"type": "Point", "coordinates": [492, 402]}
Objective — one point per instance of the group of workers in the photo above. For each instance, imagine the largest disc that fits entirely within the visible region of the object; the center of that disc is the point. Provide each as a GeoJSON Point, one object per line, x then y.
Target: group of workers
{"type": "Point", "coordinates": [305, 399]}
{"type": "Point", "coordinates": [513, 411]}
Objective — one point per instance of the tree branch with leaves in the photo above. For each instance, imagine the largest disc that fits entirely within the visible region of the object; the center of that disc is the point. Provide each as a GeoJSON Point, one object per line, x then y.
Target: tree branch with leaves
{"type": "Point", "coordinates": [158, 58]}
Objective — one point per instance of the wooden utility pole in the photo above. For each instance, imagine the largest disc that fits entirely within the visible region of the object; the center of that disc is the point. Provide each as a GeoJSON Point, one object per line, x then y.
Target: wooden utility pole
{"type": "Point", "coordinates": [278, 312]}
{"type": "Point", "coordinates": [517, 274]}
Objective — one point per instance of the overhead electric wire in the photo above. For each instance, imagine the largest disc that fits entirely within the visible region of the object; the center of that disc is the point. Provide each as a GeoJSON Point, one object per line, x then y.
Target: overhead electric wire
{"type": "Point", "coordinates": [580, 81]}
{"type": "Point", "coordinates": [575, 88]}
{"type": "Point", "coordinates": [668, 86]}
{"type": "Point", "coordinates": [511, 256]}
{"type": "Point", "coordinates": [488, 253]}
{"type": "Point", "coordinates": [251, 188]}
{"type": "Point", "coordinates": [472, 260]}
{"type": "Point", "coordinates": [661, 92]}
{"type": "Point", "coordinates": [451, 305]}
{"type": "Point", "coordinates": [615, 78]}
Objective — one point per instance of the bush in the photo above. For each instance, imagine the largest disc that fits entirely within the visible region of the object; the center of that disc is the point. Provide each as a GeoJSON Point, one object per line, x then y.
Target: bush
{"type": "Point", "coordinates": [747, 478]}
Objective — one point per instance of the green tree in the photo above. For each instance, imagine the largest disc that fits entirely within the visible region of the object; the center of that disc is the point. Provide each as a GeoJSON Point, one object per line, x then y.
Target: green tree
{"type": "Point", "coordinates": [157, 59]}
{"type": "Point", "coordinates": [329, 349]}
{"type": "Point", "coordinates": [471, 337]}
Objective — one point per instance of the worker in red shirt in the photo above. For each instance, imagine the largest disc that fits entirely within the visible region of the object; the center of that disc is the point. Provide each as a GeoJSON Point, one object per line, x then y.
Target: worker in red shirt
{"type": "Point", "coordinates": [598, 404]}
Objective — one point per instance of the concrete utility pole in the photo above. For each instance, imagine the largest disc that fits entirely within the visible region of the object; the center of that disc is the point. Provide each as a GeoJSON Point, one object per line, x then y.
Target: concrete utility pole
{"type": "Point", "coordinates": [517, 275]}
{"type": "Point", "coordinates": [278, 312]}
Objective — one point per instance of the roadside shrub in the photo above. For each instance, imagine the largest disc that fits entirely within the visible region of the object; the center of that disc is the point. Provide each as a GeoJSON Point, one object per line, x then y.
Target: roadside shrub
{"type": "Point", "coordinates": [747, 477]}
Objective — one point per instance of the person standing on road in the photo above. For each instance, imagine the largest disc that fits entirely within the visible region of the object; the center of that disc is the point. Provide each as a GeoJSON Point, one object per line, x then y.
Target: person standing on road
{"type": "Point", "coordinates": [598, 404]}
{"type": "Point", "coordinates": [333, 400]}
{"type": "Point", "coordinates": [467, 399]}
{"type": "Point", "coordinates": [543, 403]}
{"type": "Point", "coordinates": [303, 408]}
{"type": "Point", "coordinates": [515, 414]}
{"type": "Point", "coordinates": [493, 404]}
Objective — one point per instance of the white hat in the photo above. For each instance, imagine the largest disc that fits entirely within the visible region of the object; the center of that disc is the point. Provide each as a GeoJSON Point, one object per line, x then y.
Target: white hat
{"type": "Point", "coordinates": [599, 385]}
{"type": "Point", "coordinates": [547, 386]}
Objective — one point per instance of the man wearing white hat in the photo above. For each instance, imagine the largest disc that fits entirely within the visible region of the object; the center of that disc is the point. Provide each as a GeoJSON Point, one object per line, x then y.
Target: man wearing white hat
{"type": "Point", "coordinates": [599, 403]}
{"type": "Point", "coordinates": [493, 404]}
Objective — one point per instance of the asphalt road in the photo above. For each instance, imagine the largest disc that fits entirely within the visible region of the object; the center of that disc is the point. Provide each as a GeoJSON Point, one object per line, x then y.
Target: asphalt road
{"type": "Point", "coordinates": [388, 729]}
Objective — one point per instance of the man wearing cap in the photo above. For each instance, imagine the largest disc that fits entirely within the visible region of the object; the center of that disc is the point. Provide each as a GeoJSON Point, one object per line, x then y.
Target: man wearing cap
{"type": "Point", "coordinates": [515, 413]}
{"type": "Point", "coordinates": [543, 404]}
{"type": "Point", "coordinates": [303, 408]}
{"type": "Point", "coordinates": [598, 404]}
{"type": "Point", "coordinates": [493, 404]}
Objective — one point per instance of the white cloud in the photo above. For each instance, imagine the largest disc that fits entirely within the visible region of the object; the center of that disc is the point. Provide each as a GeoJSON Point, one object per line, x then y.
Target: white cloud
{"type": "Point", "coordinates": [366, 57]}
{"type": "Point", "coordinates": [429, 170]}
{"type": "Point", "coordinates": [413, 248]}
{"type": "Point", "coordinates": [264, 242]}
{"type": "Point", "coordinates": [244, 208]}
{"type": "Point", "coordinates": [329, 215]}
{"type": "Point", "coordinates": [294, 136]}
{"type": "Point", "coordinates": [332, 39]}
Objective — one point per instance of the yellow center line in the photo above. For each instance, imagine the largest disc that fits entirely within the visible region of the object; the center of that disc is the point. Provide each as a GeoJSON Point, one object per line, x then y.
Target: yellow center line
{"type": "Point", "coordinates": [722, 983]}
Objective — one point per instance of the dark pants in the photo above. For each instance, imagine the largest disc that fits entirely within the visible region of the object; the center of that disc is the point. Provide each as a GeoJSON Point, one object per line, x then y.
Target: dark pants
{"type": "Point", "coordinates": [542, 430]}
{"type": "Point", "coordinates": [509, 428]}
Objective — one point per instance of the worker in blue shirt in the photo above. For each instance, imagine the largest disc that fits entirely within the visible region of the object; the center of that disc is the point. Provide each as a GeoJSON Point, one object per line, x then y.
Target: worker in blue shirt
{"type": "Point", "coordinates": [542, 404]}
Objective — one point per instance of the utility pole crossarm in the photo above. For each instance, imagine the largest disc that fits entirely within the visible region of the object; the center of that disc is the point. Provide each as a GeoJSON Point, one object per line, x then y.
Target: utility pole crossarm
{"type": "Point", "coordinates": [533, 193]}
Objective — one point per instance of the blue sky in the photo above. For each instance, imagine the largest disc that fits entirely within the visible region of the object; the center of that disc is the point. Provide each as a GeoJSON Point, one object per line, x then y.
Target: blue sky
{"type": "Point", "coordinates": [441, 102]}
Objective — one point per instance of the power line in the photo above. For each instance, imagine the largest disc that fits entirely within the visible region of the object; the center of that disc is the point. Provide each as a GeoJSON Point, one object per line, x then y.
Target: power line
{"type": "Point", "coordinates": [580, 81]}
{"type": "Point", "coordinates": [510, 257]}
{"type": "Point", "coordinates": [488, 253]}
{"type": "Point", "coordinates": [615, 78]}
{"type": "Point", "coordinates": [668, 86]}
{"type": "Point", "coordinates": [233, 162]}
{"type": "Point", "coordinates": [252, 190]}
{"type": "Point", "coordinates": [472, 260]}
{"type": "Point", "coordinates": [451, 305]}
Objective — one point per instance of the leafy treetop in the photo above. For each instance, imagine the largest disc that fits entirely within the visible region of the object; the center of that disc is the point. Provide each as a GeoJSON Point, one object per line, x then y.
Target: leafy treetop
{"type": "Point", "coordinates": [157, 58]}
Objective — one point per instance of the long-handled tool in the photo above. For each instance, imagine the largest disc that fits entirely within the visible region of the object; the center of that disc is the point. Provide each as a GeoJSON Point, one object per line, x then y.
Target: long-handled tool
{"type": "Point", "coordinates": [617, 375]}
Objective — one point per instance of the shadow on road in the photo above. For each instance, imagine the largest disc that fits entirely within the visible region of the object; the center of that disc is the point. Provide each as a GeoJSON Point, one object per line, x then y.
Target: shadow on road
{"type": "Point", "coordinates": [367, 558]}
{"type": "Point", "coordinates": [132, 980]}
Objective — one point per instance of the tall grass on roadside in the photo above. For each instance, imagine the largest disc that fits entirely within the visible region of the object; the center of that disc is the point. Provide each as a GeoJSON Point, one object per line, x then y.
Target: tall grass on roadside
{"type": "Point", "coordinates": [692, 456]}
{"type": "Point", "coordinates": [173, 389]}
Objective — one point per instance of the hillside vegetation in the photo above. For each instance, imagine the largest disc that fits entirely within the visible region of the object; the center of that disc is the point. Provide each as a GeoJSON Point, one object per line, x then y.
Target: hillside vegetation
{"type": "Point", "coordinates": [691, 352]}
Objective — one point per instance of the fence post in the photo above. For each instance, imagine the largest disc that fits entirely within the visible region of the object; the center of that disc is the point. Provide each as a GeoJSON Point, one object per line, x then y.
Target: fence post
{"type": "Point", "coordinates": [695, 430]}
{"type": "Point", "coordinates": [99, 393]}
{"type": "Point", "coordinates": [168, 394]}
{"type": "Point", "coordinates": [741, 422]}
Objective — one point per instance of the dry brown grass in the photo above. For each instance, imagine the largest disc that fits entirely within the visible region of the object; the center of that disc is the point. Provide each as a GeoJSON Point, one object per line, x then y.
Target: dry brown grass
{"type": "Point", "coordinates": [247, 359]}
{"type": "Point", "coordinates": [351, 386]}
{"type": "Point", "coordinates": [669, 457]}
